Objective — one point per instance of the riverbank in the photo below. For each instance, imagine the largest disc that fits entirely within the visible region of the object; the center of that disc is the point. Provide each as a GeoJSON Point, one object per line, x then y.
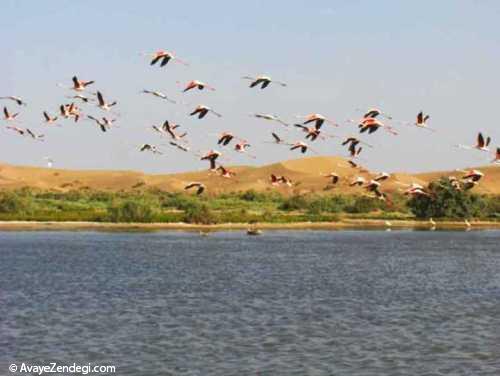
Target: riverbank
{"type": "Point", "coordinates": [344, 224]}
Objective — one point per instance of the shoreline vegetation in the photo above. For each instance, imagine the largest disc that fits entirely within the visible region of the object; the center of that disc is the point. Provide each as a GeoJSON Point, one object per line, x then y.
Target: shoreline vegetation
{"type": "Point", "coordinates": [30, 208]}
{"type": "Point", "coordinates": [353, 224]}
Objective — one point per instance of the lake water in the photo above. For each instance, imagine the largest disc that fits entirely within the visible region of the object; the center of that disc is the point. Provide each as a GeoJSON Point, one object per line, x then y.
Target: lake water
{"type": "Point", "coordinates": [284, 303]}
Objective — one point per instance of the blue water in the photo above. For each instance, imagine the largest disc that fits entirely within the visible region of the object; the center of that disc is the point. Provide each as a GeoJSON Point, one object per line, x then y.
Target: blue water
{"type": "Point", "coordinates": [285, 303]}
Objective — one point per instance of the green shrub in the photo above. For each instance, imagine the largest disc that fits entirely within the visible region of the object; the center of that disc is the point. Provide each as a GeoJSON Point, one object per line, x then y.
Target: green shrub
{"type": "Point", "coordinates": [295, 202]}
{"type": "Point", "coordinates": [363, 204]}
{"type": "Point", "coordinates": [199, 214]}
{"type": "Point", "coordinates": [130, 210]}
{"type": "Point", "coordinates": [12, 202]}
{"type": "Point", "coordinates": [447, 202]}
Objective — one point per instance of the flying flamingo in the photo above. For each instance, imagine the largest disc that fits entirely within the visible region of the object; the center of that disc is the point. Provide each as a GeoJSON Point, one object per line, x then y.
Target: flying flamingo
{"type": "Point", "coordinates": [469, 184]}
{"type": "Point", "coordinates": [241, 147]}
{"type": "Point", "coordinates": [158, 94]}
{"type": "Point", "coordinates": [34, 136]}
{"type": "Point", "coordinates": [422, 121]}
{"type": "Point", "coordinates": [382, 176]}
{"type": "Point", "coordinates": [179, 146]}
{"type": "Point", "coordinates": [165, 57]}
{"type": "Point", "coordinates": [481, 143]}
{"type": "Point", "coordinates": [211, 156]}
{"type": "Point", "coordinates": [18, 130]}
{"type": "Point", "coordinates": [202, 110]}
{"type": "Point", "coordinates": [151, 148]}
{"type": "Point", "coordinates": [18, 100]}
{"type": "Point", "coordinates": [200, 187]}
{"type": "Point", "coordinates": [359, 181]}
{"type": "Point", "coordinates": [225, 173]}
{"type": "Point", "coordinates": [277, 139]}
{"type": "Point", "coordinates": [416, 192]}
{"type": "Point", "coordinates": [496, 158]}
{"type": "Point", "coordinates": [318, 120]}
{"type": "Point", "coordinates": [225, 138]}
{"type": "Point", "coordinates": [264, 81]}
{"type": "Point", "coordinates": [372, 125]}
{"type": "Point", "coordinates": [302, 146]}
{"type": "Point", "coordinates": [311, 132]}
{"type": "Point", "coordinates": [104, 124]}
{"type": "Point", "coordinates": [277, 180]}
{"type": "Point", "coordinates": [103, 104]}
{"type": "Point", "coordinates": [170, 129]}
{"type": "Point", "coordinates": [8, 116]}
{"type": "Point", "coordinates": [334, 176]}
{"type": "Point", "coordinates": [198, 85]}
{"type": "Point", "coordinates": [374, 112]}
{"type": "Point", "coordinates": [78, 85]}
{"type": "Point", "coordinates": [49, 119]}
{"type": "Point", "coordinates": [270, 118]}
{"type": "Point", "coordinates": [474, 175]}
{"type": "Point", "coordinates": [83, 98]}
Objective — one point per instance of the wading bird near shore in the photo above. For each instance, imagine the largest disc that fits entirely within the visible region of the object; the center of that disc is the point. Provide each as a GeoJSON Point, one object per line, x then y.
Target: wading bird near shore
{"type": "Point", "coordinates": [264, 81]}
{"type": "Point", "coordinates": [50, 162]}
{"type": "Point", "coordinates": [200, 187]}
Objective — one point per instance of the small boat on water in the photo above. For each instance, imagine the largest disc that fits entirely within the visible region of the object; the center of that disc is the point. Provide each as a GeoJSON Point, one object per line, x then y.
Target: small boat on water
{"type": "Point", "coordinates": [254, 231]}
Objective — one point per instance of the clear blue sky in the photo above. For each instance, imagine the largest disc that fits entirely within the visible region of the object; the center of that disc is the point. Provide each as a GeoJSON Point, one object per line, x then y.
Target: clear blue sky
{"type": "Point", "coordinates": [442, 57]}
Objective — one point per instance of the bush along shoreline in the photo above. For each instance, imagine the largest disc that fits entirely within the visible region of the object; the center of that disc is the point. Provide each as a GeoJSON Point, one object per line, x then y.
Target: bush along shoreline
{"type": "Point", "coordinates": [444, 202]}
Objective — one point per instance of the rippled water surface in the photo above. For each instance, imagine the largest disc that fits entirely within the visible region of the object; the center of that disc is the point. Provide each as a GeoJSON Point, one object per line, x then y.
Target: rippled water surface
{"type": "Point", "coordinates": [285, 303]}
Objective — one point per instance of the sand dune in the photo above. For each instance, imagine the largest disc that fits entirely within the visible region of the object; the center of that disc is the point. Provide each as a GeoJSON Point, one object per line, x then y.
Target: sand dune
{"type": "Point", "coordinates": [305, 172]}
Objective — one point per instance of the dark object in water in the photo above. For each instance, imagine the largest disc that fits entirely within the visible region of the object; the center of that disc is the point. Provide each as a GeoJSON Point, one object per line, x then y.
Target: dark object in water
{"type": "Point", "coordinates": [254, 231]}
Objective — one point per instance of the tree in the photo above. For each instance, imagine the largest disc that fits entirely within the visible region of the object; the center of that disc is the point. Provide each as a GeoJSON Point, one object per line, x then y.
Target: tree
{"type": "Point", "coordinates": [446, 201]}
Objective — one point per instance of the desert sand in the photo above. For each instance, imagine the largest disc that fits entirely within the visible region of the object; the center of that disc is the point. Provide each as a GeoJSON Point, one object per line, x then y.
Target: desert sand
{"type": "Point", "coordinates": [306, 173]}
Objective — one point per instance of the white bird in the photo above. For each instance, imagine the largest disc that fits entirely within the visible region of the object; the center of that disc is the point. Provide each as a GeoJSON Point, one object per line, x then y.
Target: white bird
{"type": "Point", "coordinates": [270, 118]}
{"type": "Point", "coordinates": [158, 94]}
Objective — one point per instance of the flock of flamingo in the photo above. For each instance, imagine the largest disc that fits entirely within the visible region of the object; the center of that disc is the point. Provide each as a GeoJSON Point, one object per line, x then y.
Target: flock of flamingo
{"type": "Point", "coordinates": [311, 126]}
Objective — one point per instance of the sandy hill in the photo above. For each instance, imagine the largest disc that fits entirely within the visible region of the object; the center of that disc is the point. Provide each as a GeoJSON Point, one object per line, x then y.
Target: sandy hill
{"type": "Point", "coordinates": [307, 173]}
